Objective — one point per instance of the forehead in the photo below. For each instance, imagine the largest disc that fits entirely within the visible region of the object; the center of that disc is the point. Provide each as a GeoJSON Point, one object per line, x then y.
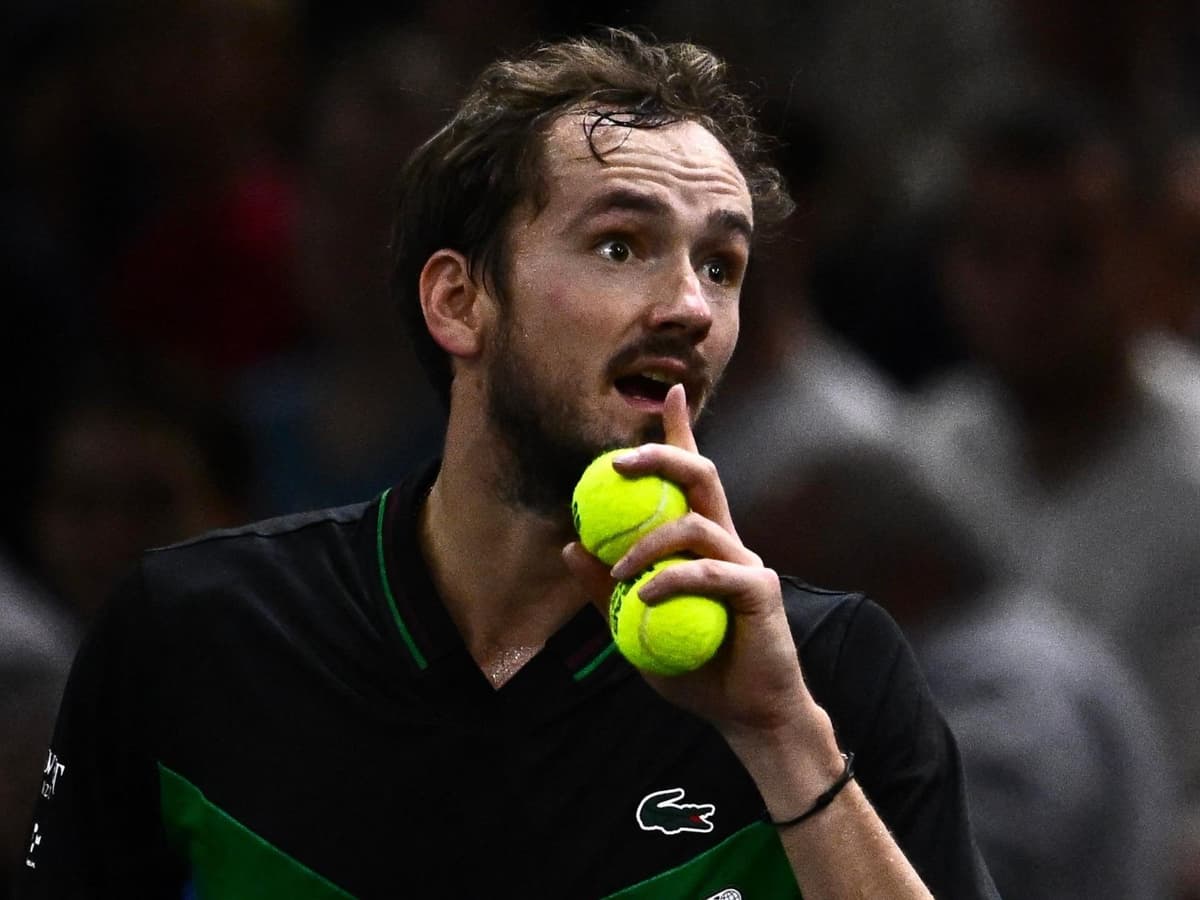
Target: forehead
{"type": "Point", "coordinates": [682, 164]}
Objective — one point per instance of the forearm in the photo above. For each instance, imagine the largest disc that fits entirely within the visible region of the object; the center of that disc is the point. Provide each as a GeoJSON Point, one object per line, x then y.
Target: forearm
{"type": "Point", "coordinates": [845, 850]}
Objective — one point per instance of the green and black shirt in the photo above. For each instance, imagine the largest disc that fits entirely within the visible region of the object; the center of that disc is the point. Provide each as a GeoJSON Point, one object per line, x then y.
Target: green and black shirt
{"type": "Point", "coordinates": [286, 710]}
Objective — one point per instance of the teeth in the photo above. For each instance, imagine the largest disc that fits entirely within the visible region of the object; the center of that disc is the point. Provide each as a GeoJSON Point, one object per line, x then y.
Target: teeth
{"type": "Point", "coordinates": [660, 378]}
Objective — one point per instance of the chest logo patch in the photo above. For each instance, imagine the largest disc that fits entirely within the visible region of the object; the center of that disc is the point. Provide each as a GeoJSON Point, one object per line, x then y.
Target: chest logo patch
{"type": "Point", "coordinates": [663, 811]}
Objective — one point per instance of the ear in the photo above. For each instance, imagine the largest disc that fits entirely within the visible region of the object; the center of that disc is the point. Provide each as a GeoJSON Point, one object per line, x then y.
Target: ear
{"type": "Point", "coordinates": [453, 304]}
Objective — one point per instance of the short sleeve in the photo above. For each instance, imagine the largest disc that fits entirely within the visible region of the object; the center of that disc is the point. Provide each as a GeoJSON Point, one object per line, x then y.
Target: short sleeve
{"type": "Point", "coordinates": [861, 670]}
{"type": "Point", "coordinates": [97, 828]}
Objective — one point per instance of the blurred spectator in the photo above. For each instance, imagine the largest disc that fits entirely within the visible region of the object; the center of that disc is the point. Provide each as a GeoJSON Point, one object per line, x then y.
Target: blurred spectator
{"type": "Point", "coordinates": [36, 647]}
{"type": "Point", "coordinates": [132, 462]}
{"type": "Point", "coordinates": [884, 75]}
{"type": "Point", "coordinates": [1078, 457]}
{"type": "Point", "coordinates": [1067, 772]}
{"type": "Point", "coordinates": [1177, 240]}
{"type": "Point", "coordinates": [46, 256]}
{"type": "Point", "coordinates": [199, 94]}
{"type": "Point", "coordinates": [334, 421]}
{"type": "Point", "coordinates": [479, 30]}
{"type": "Point", "coordinates": [1138, 58]}
{"type": "Point", "coordinates": [876, 285]}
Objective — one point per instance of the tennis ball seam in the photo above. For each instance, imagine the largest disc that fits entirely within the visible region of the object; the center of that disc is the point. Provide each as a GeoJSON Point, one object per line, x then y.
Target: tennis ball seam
{"type": "Point", "coordinates": [639, 646]}
{"type": "Point", "coordinates": [646, 644]}
{"type": "Point", "coordinates": [669, 666]}
{"type": "Point", "coordinates": [663, 494]}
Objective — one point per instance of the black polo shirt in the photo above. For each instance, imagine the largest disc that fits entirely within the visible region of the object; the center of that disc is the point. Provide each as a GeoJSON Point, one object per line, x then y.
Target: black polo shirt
{"type": "Point", "coordinates": [286, 710]}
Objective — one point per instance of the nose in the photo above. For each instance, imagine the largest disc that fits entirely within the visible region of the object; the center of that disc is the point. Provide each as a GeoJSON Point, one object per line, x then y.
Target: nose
{"type": "Point", "coordinates": [681, 305]}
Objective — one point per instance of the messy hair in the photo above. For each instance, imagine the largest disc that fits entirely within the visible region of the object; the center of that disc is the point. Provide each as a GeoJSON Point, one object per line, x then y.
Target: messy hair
{"type": "Point", "coordinates": [458, 189]}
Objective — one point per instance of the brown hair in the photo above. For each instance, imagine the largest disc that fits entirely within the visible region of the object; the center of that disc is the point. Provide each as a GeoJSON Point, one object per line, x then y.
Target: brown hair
{"type": "Point", "coordinates": [459, 188]}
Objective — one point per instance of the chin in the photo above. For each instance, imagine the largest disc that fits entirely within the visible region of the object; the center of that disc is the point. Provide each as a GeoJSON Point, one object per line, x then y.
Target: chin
{"type": "Point", "coordinates": [651, 432]}
{"type": "Point", "coordinates": [642, 429]}
{"type": "Point", "coordinates": [630, 427]}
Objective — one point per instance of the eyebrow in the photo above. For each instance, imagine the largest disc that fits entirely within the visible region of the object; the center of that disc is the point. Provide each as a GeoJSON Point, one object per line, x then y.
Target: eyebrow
{"type": "Point", "coordinates": [628, 200]}
{"type": "Point", "coordinates": [731, 221]}
{"type": "Point", "coordinates": [622, 199]}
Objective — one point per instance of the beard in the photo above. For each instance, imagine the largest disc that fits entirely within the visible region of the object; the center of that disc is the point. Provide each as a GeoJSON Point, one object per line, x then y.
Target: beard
{"type": "Point", "coordinates": [547, 439]}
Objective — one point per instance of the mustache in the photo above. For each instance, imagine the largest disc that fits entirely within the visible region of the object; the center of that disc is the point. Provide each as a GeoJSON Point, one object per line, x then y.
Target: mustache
{"type": "Point", "coordinates": [676, 347]}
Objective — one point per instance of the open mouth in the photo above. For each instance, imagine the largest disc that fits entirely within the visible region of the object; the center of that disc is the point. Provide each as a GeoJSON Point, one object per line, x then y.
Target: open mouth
{"type": "Point", "coordinates": [651, 388]}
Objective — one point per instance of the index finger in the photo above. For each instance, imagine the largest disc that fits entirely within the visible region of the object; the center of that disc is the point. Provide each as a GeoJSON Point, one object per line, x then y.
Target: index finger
{"type": "Point", "coordinates": [677, 420]}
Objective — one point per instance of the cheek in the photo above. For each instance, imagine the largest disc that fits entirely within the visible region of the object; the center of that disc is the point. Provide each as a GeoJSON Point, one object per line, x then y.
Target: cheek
{"type": "Point", "coordinates": [565, 317]}
{"type": "Point", "coordinates": [723, 336]}
{"type": "Point", "coordinates": [556, 294]}
{"type": "Point", "coordinates": [550, 343]}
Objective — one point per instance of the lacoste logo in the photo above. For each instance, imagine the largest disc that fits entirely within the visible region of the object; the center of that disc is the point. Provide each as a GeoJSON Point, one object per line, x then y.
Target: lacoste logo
{"type": "Point", "coordinates": [662, 811]}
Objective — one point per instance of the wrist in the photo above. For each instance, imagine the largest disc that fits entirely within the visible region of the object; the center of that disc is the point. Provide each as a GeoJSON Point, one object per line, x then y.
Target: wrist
{"type": "Point", "coordinates": [792, 764]}
{"type": "Point", "coordinates": [822, 801]}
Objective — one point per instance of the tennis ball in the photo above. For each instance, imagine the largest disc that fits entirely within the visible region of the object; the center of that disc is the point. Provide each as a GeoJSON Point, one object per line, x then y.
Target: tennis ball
{"type": "Point", "coordinates": [612, 512]}
{"type": "Point", "coordinates": [676, 635]}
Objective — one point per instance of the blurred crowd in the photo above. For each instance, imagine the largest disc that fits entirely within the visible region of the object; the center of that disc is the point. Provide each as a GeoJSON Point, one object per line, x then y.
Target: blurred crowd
{"type": "Point", "coordinates": [968, 382]}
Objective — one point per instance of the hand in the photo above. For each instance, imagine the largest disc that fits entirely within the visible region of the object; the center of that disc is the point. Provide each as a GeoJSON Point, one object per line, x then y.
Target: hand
{"type": "Point", "coordinates": [754, 683]}
{"type": "Point", "coordinates": [752, 691]}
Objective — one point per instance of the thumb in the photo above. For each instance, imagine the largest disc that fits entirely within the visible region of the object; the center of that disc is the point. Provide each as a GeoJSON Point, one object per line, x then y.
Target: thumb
{"type": "Point", "coordinates": [591, 573]}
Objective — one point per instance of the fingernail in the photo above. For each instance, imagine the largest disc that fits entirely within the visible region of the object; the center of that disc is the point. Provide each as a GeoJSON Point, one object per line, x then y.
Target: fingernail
{"type": "Point", "coordinates": [621, 570]}
{"type": "Point", "coordinates": [628, 458]}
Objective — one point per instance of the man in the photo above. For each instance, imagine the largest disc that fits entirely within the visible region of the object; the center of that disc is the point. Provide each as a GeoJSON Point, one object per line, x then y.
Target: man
{"type": "Point", "coordinates": [415, 695]}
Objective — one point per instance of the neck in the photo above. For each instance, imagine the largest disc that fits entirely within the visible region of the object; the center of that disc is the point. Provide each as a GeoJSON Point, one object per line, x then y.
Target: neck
{"type": "Point", "coordinates": [498, 568]}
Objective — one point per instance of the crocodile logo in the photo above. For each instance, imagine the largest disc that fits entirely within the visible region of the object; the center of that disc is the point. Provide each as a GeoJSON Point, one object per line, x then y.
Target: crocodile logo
{"type": "Point", "coordinates": [662, 811]}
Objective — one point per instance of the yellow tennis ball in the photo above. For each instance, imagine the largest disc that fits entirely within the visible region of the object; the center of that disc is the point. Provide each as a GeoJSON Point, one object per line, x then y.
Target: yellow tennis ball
{"type": "Point", "coordinates": [679, 634]}
{"type": "Point", "coordinates": [612, 512]}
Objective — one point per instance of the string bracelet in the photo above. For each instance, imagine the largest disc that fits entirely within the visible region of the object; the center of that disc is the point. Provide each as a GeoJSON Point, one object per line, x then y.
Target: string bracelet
{"type": "Point", "coordinates": [822, 801]}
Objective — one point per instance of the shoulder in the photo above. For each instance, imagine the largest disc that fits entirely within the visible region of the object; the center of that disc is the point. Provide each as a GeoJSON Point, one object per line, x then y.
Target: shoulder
{"type": "Point", "coordinates": [289, 547]}
{"type": "Point", "coordinates": [861, 670]}
{"type": "Point", "coordinates": [35, 636]}
{"type": "Point", "coordinates": [271, 603]}
{"type": "Point", "coordinates": [827, 624]}
{"type": "Point", "coordinates": [298, 580]}
{"type": "Point", "coordinates": [279, 529]}
{"type": "Point", "coordinates": [859, 667]}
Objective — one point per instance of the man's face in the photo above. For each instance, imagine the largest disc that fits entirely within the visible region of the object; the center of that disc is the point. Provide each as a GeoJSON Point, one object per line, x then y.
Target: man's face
{"type": "Point", "coordinates": [1031, 277]}
{"type": "Point", "coordinates": [624, 283]}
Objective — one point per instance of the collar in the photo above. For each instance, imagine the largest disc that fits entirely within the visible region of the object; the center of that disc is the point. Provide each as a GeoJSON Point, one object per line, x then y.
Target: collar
{"type": "Point", "coordinates": [582, 648]}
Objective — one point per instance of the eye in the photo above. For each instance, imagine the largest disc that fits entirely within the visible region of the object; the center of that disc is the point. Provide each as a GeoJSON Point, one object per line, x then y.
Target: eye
{"type": "Point", "coordinates": [614, 250]}
{"type": "Point", "coordinates": [719, 271]}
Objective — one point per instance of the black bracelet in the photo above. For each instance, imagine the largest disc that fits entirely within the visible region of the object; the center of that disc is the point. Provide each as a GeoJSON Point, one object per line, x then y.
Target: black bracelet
{"type": "Point", "coordinates": [824, 800]}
